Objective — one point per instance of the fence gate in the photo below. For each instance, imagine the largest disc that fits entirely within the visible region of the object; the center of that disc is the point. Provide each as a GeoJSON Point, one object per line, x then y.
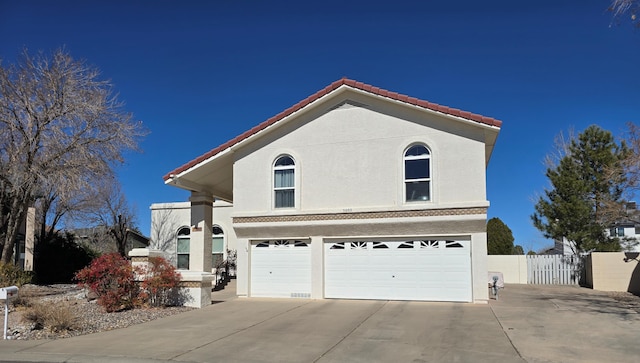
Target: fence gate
{"type": "Point", "coordinates": [553, 269]}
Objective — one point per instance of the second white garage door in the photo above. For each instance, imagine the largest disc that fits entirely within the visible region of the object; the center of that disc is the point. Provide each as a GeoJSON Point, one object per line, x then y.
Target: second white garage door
{"type": "Point", "coordinates": [430, 270]}
{"type": "Point", "coordinates": [281, 268]}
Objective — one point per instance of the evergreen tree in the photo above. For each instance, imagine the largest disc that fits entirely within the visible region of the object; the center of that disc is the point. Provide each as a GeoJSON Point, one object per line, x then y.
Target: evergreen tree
{"type": "Point", "coordinates": [518, 250]}
{"type": "Point", "coordinates": [499, 238]}
{"type": "Point", "coordinates": [581, 188]}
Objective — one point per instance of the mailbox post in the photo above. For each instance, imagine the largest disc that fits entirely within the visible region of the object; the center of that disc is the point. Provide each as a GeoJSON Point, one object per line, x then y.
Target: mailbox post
{"type": "Point", "coordinates": [7, 293]}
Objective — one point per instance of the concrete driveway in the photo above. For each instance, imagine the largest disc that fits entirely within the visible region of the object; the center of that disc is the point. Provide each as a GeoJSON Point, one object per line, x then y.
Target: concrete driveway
{"type": "Point", "coordinates": [527, 324]}
{"type": "Point", "coordinates": [569, 324]}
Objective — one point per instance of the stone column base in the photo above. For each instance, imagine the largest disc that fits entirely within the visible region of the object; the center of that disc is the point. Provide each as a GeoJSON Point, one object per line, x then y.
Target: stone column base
{"type": "Point", "coordinates": [197, 286]}
{"type": "Point", "coordinates": [140, 257]}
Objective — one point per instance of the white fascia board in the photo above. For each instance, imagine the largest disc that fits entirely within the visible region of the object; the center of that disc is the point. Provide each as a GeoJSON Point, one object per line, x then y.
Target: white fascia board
{"type": "Point", "coordinates": [283, 121]}
{"type": "Point", "coordinates": [173, 178]}
{"type": "Point", "coordinates": [258, 134]}
{"type": "Point", "coordinates": [176, 181]}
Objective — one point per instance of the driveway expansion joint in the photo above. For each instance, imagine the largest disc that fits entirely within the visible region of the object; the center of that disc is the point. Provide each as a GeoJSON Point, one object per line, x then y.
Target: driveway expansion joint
{"type": "Point", "coordinates": [351, 332]}
{"type": "Point", "coordinates": [504, 331]}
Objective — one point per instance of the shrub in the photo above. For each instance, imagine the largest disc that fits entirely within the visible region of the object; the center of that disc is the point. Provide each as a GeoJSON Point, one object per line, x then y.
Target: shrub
{"type": "Point", "coordinates": [55, 317]}
{"type": "Point", "coordinates": [160, 284]}
{"type": "Point", "coordinates": [11, 274]}
{"type": "Point", "coordinates": [111, 278]}
{"type": "Point", "coordinates": [58, 259]}
{"type": "Point", "coordinates": [21, 301]}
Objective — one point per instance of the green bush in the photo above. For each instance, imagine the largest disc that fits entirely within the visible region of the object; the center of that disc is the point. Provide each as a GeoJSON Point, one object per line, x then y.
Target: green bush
{"type": "Point", "coordinates": [12, 275]}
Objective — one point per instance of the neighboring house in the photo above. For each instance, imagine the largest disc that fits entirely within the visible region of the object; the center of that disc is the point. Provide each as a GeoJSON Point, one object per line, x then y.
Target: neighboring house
{"type": "Point", "coordinates": [354, 192]}
{"type": "Point", "coordinates": [170, 232]}
{"type": "Point", "coordinates": [95, 238]}
{"type": "Point", "coordinates": [627, 229]}
{"type": "Point", "coordinates": [25, 242]}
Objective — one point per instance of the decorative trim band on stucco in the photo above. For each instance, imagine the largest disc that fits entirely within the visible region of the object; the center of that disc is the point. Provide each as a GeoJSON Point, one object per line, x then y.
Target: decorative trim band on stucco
{"type": "Point", "coordinates": [195, 284]}
{"type": "Point", "coordinates": [139, 259]}
{"type": "Point", "coordinates": [363, 215]}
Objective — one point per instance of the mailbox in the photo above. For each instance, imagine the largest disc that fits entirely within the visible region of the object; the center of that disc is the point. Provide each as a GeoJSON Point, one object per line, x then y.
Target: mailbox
{"type": "Point", "coordinates": [8, 292]}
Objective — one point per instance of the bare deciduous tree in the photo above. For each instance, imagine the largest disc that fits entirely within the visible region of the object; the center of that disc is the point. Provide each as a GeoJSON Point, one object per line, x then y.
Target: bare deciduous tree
{"type": "Point", "coordinates": [60, 126]}
{"type": "Point", "coordinates": [626, 8]}
{"type": "Point", "coordinates": [629, 179]}
{"type": "Point", "coordinates": [164, 230]}
{"type": "Point", "coordinates": [114, 216]}
{"type": "Point", "coordinates": [56, 205]}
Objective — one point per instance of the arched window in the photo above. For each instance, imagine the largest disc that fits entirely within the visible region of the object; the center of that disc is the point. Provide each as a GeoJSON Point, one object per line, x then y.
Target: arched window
{"type": "Point", "coordinates": [183, 248]}
{"type": "Point", "coordinates": [284, 182]}
{"type": "Point", "coordinates": [417, 174]}
{"type": "Point", "coordinates": [217, 247]}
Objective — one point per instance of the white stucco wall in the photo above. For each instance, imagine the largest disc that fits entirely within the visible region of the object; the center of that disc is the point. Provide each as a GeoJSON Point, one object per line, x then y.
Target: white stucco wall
{"type": "Point", "coordinates": [351, 158]}
{"type": "Point", "coordinates": [167, 218]}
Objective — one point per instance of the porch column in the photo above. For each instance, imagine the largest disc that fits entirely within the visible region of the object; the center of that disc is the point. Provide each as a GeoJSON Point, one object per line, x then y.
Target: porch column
{"type": "Point", "coordinates": [197, 282]}
{"type": "Point", "coordinates": [201, 232]}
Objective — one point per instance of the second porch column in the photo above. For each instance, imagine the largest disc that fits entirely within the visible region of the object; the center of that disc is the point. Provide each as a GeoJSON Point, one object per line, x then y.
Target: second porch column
{"type": "Point", "coordinates": [201, 232]}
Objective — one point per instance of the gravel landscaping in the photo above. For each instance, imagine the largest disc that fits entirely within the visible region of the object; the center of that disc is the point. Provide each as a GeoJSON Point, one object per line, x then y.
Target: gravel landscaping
{"type": "Point", "coordinates": [87, 316]}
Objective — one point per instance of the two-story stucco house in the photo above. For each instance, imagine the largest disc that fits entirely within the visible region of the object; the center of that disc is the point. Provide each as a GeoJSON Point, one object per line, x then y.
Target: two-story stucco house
{"type": "Point", "coordinates": [355, 192]}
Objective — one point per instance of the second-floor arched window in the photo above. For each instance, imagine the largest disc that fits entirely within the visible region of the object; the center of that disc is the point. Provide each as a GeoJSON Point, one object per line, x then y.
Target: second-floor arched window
{"type": "Point", "coordinates": [284, 182]}
{"type": "Point", "coordinates": [417, 174]}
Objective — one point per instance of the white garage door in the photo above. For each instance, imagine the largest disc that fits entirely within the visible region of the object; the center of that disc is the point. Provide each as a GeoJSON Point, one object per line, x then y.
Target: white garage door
{"type": "Point", "coordinates": [433, 270]}
{"type": "Point", "coordinates": [281, 268]}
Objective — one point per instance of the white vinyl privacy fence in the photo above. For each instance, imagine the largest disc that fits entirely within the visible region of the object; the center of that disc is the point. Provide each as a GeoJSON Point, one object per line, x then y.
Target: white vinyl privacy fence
{"type": "Point", "coordinates": [554, 269]}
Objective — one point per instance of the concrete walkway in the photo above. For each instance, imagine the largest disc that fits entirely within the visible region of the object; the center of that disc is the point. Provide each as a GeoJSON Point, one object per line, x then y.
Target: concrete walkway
{"type": "Point", "coordinates": [527, 324]}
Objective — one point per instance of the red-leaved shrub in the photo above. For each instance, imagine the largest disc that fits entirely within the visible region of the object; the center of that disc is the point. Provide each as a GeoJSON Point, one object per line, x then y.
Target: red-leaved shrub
{"type": "Point", "coordinates": [159, 286]}
{"type": "Point", "coordinates": [111, 277]}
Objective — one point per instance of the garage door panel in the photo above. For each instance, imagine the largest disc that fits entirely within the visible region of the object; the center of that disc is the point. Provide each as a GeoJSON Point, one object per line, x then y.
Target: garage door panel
{"type": "Point", "coordinates": [435, 270]}
{"type": "Point", "coordinates": [280, 268]}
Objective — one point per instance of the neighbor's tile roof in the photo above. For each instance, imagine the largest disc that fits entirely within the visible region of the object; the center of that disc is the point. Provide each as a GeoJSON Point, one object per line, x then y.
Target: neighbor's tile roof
{"type": "Point", "coordinates": [330, 88]}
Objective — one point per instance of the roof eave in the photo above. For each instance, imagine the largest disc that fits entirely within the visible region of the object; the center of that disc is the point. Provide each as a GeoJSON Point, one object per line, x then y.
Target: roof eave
{"type": "Point", "coordinates": [333, 90]}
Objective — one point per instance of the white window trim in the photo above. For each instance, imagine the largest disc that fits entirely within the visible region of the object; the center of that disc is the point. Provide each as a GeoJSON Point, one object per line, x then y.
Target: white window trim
{"type": "Point", "coordinates": [404, 173]}
{"type": "Point", "coordinates": [295, 182]}
{"type": "Point", "coordinates": [183, 237]}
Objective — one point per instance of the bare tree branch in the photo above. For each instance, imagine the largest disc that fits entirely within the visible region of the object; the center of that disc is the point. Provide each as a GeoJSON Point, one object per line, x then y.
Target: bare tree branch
{"type": "Point", "coordinates": [625, 8]}
{"type": "Point", "coordinates": [61, 129]}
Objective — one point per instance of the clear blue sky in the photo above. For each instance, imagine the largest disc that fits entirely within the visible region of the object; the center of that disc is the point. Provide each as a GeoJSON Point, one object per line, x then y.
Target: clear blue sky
{"type": "Point", "coordinates": [199, 73]}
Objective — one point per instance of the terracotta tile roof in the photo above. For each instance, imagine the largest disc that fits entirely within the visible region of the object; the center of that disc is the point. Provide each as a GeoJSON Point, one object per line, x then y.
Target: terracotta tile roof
{"type": "Point", "coordinates": [330, 88]}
